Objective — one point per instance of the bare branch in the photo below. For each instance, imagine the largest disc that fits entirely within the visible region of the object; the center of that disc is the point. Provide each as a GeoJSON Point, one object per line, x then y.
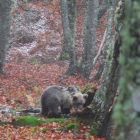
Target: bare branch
{"type": "Point", "coordinates": [101, 46]}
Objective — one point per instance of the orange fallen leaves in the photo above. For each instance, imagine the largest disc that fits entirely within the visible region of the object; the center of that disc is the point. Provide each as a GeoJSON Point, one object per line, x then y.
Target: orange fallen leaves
{"type": "Point", "coordinates": [17, 86]}
{"type": "Point", "coordinates": [30, 100]}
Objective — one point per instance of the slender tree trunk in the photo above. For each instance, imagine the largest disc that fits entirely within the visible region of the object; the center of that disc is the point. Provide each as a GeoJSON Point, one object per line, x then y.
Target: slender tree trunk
{"type": "Point", "coordinates": [127, 110]}
{"type": "Point", "coordinates": [90, 24]}
{"type": "Point", "coordinates": [5, 17]}
{"type": "Point", "coordinates": [68, 25]}
{"type": "Point", "coordinates": [104, 97]}
{"type": "Point", "coordinates": [71, 16]}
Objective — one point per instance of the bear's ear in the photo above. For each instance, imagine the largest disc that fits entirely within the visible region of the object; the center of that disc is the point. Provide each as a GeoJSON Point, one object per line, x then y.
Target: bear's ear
{"type": "Point", "coordinates": [85, 96]}
{"type": "Point", "coordinates": [71, 89]}
{"type": "Point", "coordinates": [75, 98]}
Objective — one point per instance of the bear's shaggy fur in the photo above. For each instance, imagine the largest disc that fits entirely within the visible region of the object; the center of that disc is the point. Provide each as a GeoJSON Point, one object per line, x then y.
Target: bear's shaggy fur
{"type": "Point", "coordinates": [66, 98]}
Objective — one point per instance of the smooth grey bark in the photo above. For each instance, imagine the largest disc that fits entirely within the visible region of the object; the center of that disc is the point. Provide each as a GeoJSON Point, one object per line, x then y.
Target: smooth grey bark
{"type": "Point", "coordinates": [90, 24]}
{"type": "Point", "coordinates": [71, 18]}
{"type": "Point", "coordinates": [103, 99]}
{"type": "Point", "coordinates": [69, 35]}
{"type": "Point", "coordinates": [127, 109]}
{"type": "Point", "coordinates": [5, 17]}
{"type": "Point", "coordinates": [110, 5]}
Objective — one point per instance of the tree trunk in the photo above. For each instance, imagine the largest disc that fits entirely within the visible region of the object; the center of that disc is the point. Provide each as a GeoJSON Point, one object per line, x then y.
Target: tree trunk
{"type": "Point", "coordinates": [68, 33]}
{"type": "Point", "coordinates": [71, 18]}
{"type": "Point", "coordinates": [5, 17]}
{"type": "Point", "coordinates": [104, 97]}
{"type": "Point", "coordinates": [90, 24]}
{"type": "Point", "coordinates": [127, 110]}
{"type": "Point", "coordinates": [110, 4]}
{"type": "Point", "coordinates": [102, 9]}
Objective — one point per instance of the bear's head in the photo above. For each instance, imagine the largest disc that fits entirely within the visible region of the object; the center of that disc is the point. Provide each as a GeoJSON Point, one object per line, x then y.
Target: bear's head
{"type": "Point", "coordinates": [78, 100]}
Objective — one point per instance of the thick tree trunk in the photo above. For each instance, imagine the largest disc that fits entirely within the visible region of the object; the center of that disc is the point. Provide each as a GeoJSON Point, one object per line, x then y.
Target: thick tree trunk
{"type": "Point", "coordinates": [70, 39]}
{"type": "Point", "coordinates": [127, 110]}
{"type": "Point", "coordinates": [71, 18]}
{"type": "Point", "coordinates": [110, 4]}
{"type": "Point", "coordinates": [104, 97]}
{"type": "Point", "coordinates": [5, 17]}
{"type": "Point", "coordinates": [90, 24]}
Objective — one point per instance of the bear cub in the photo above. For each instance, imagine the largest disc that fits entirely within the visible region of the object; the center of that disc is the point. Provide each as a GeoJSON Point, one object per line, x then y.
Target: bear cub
{"type": "Point", "coordinates": [58, 96]}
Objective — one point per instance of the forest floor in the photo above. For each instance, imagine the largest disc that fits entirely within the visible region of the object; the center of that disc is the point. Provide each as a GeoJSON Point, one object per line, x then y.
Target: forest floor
{"type": "Point", "coordinates": [32, 66]}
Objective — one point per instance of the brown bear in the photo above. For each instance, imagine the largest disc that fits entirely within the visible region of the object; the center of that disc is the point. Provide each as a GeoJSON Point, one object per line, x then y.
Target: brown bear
{"type": "Point", "coordinates": [58, 96]}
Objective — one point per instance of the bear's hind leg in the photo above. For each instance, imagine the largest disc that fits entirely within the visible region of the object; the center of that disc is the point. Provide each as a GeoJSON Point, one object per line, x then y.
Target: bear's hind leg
{"type": "Point", "coordinates": [45, 111]}
{"type": "Point", "coordinates": [55, 113]}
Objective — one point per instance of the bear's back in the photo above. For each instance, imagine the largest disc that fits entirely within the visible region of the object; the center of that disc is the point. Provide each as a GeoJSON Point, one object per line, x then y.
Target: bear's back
{"type": "Point", "coordinates": [58, 93]}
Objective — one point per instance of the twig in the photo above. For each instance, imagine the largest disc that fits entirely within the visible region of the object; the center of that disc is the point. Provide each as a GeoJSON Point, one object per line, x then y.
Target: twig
{"type": "Point", "coordinates": [101, 46]}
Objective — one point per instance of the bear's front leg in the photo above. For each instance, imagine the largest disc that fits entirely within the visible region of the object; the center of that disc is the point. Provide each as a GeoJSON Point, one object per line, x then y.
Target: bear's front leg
{"type": "Point", "coordinates": [65, 112]}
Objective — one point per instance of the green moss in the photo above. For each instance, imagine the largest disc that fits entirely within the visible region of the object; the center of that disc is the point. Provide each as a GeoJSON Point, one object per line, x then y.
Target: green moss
{"type": "Point", "coordinates": [33, 131]}
{"type": "Point", "coordinates": [125, 117]}
{"type": "Point", "coordinates": [64, 56]}
{"type": "Point", "coordinates": [93, 130]}
{"type": "Point", "coordinates": [33, 121]}
{"type": "Point", "coordinates": [72, 125]}
{"type": "Point", "coordinates": [33, 61]}
{"type": "Point", "coordinates": [83, 90]}
{"type": "Point", "coordinates": [90, 91]}
{"type": "Point", "coordinates": [59, 120]}
{"type": "Point", "coordinates": [38, 90]}
{"type": "Point", "coordinates": [45, 129]}
{"type": "Point", "coordinates": [87, 88]}
{"type": "Point", "coordinates": [29, 120]}
{"type": "Point", "coordinates": [93, 125]}
{"type": "Point", "coordinates": [4, 122]}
